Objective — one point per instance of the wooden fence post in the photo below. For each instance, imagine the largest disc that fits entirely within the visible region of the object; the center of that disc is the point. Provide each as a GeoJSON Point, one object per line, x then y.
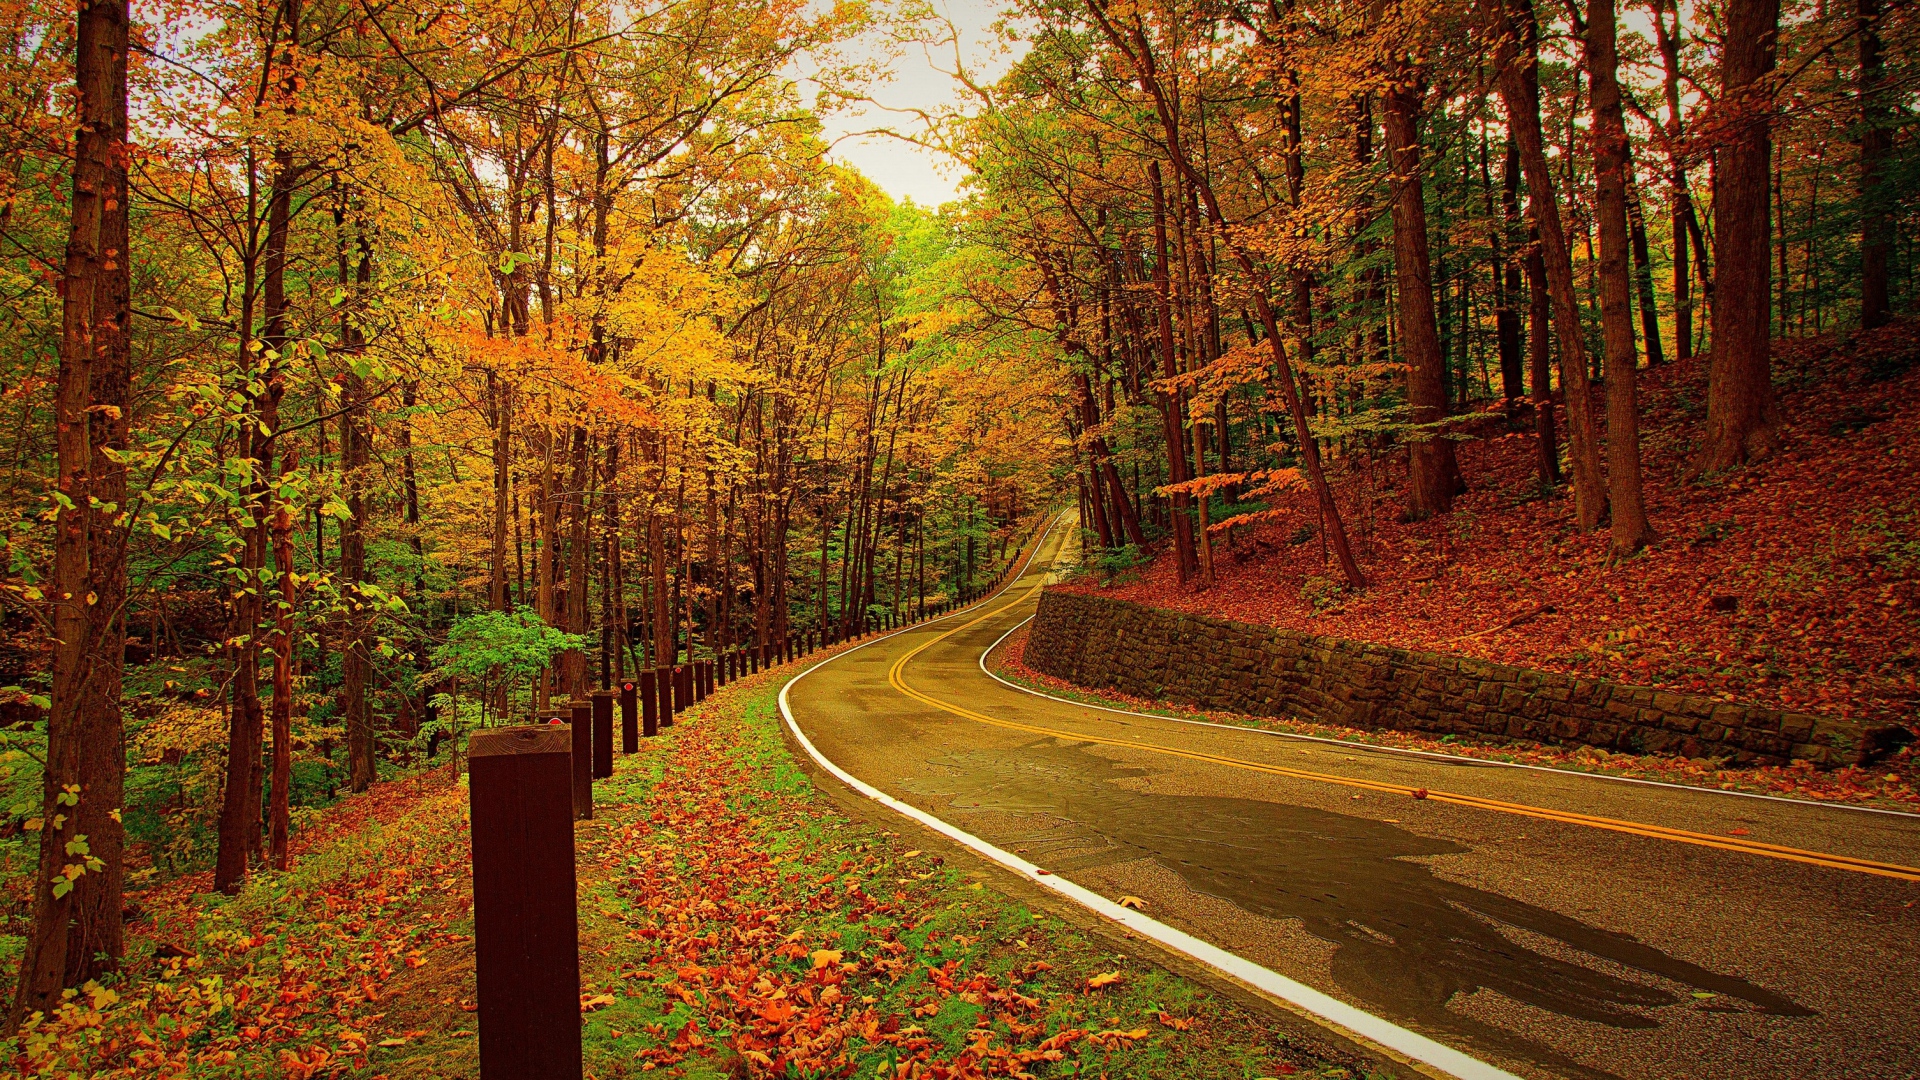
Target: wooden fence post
{"type": "Point", "coordinates": [525, 927]}
{"type": "Point", "coordinates": [602, 733]}
{"type": "Point", "coordinates": [663, 679]}
{"type": "Point", "coordinates": [649, 705]}
{"type": "Point", "coordinates": [581, 717]}
{"type": "Point", "coordinates": [629, 718]}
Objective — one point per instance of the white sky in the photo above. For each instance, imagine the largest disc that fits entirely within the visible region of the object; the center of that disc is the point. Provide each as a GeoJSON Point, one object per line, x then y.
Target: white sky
{"type": "Point", "coordinates": [919, 81]}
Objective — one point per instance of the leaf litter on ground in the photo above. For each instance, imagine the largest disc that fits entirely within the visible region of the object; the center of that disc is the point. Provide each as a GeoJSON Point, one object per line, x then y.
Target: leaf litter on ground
{"type": "Point", "coordinates": [732, 923]}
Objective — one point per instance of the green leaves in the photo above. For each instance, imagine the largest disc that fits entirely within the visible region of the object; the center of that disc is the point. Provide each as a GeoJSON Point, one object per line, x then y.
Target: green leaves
{"type": "Point", "coordinates": [516, 644]}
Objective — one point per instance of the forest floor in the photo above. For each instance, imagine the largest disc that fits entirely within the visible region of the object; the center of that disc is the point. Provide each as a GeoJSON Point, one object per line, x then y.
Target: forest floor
{"type": "Point", "coordinates": [732, 922]}
{"type": "Point", "coordinates": [1793, 582]}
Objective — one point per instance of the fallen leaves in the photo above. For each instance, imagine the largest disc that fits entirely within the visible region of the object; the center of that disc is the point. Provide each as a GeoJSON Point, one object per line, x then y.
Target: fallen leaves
{"type": "Point", "coordinates": [296, 996]}
{"type": "Point", "coordinates": [1787, 583]}
{"type": "Point", "coordinates": [752, 938]}
{"type": "Point", "coordinates": [1133, 902]}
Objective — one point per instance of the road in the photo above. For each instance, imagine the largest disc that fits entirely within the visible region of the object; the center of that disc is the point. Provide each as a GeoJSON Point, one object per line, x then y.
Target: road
{"type": "Point", "coordinates": [1515, 929]}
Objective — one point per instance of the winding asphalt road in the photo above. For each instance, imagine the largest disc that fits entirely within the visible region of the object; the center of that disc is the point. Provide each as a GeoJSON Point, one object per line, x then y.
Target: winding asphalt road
{"type": "Point", "coordinates": [1548, 924]}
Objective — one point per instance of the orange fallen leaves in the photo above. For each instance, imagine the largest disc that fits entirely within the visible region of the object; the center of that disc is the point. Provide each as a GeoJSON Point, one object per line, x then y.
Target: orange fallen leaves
{"type": "Point", "coordinates": [1784, 583]}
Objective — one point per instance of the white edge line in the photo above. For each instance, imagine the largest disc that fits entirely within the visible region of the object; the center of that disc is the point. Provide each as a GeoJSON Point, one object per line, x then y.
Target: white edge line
{"type": "Point", "coordinates": [1462, 759]}
{"type": "Point", "coordinates": [1364, 1024]}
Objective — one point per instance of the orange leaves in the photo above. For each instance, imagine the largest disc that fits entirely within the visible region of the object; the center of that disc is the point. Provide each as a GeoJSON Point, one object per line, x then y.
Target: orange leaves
{"type": "Point", "coordinates": [304, 1064]}
{"type": "Point", "coordinates": [1103, 980]}
{"type": "Point", "coordinates": [1118, 1040]}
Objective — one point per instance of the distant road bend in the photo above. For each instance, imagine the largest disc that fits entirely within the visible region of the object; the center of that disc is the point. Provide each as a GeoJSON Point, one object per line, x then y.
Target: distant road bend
{"type": "Point", "coordinates": [1515, 922]}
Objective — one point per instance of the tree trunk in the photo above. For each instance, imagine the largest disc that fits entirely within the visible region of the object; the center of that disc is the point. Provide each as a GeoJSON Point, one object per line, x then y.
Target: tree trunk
{"type": "Point", "coordinates": [573, 662]}
{"type": "Point", "coordinates": [95, 939]}
{"type": "Point", "coordinates": [1431, 485]}
{"type": "Point", "coordinates": [240, 809]}
{"type": "Point", "coordinates": [1643, 276]}
{"type": "Point", "coordinates": [1876, 235]}
{"type": "Point", "coordinates": [500, 397]}
{"type": "Point", "coordinates": [1172, 403]}
{"type": "Point", "coordinates": [1540, 366]}
{"type": "Point", "coordinates": [89, 328]}
{"type": "Point", "coordinates": [280, 811]}
{"type": "Point", "coordinates": [1740, 408]}
{"type": "Point", "coordinates": [663, 646]}
{"type": "Point", "coordinates": [1611, 162]}
{"type": "Point", "coordinates": [1506, 269]}
{"type": "Point", "coordinates": [356, 658]}
{"type": "Point", "coordinates": [1514, 41]}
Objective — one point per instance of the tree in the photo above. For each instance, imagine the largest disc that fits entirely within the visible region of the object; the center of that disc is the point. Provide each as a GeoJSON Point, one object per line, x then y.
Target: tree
{"type": "Point", "coordinates": [1740, 409]}
{"type": "Point", "coordinates": [81, 782]}
{"type": "Point", "coordinates": [1514, 33]}
{"type": "Point", "coordinates": [1612, 164]}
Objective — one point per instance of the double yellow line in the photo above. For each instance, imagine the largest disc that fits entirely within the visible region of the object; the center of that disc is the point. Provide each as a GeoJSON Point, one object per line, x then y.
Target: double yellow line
{"type": "Point", "coordinates": [896, 677]}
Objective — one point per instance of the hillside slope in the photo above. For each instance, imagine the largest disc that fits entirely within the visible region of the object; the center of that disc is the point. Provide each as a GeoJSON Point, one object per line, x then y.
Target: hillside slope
{"type": "Point", "coordinates": [1792, 582]}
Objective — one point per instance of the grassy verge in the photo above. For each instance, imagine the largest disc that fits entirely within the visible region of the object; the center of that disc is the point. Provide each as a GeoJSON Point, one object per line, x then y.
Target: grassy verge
{"type": "Point", "coordinates": [732, 923]}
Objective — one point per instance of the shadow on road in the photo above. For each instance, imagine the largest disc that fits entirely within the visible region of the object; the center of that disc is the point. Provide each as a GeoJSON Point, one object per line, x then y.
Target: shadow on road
{"type": "Point", "coordinates": [1407, 941]}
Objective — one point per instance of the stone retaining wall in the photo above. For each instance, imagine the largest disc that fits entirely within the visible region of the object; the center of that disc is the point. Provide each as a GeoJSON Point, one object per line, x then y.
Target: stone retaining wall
{"type": "Point", "coordinates": [1262, 671]}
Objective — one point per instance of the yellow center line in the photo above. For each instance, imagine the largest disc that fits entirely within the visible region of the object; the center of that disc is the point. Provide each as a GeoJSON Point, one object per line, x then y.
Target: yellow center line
{"type": "Point", "coordinates": [896, 677]}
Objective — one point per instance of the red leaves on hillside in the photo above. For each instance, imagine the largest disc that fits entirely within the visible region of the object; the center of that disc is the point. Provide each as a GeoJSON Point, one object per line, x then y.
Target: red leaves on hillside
{"type": "Point", "coordinates": [1790, 583]}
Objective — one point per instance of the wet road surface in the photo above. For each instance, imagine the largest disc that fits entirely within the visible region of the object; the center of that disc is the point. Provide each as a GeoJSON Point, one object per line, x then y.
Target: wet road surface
{"type": "Point", "coordinates": [1506, 924]}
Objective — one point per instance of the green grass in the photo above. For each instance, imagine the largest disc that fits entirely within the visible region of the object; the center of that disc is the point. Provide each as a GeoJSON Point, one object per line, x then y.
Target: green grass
{"type": "Point", "coordinates": [711, 881]}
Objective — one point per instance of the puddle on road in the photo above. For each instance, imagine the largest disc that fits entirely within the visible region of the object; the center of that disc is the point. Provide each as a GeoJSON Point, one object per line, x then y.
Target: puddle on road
{"type": "Point", "coordinates": [1406, 941]}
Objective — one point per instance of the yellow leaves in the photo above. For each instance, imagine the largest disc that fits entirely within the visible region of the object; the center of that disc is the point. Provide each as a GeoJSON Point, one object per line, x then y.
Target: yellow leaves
{"type": "Point", "coordinates": [1103, 980]}
{"type": "Point", "coordinates": [1118, 1040]}
{"type": "Point", "coordinates": [1133, 903]}
{"type": "Point", "coordinates": [595, 1002]}
{"type": "Point", "coordinates": [823, 958]}
{"type": "Point", "coordinates": [180, 728]}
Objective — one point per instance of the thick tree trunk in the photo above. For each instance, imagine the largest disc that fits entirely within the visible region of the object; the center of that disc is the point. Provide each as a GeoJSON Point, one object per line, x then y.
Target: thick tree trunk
{"type": "Point", "coordinates": [90, 325]}
{"type": "Point", "coordinates": [1740, 408]}
{"type": "Point", "coordinates": [1431, 484]}
{"type": "Point", "coordinates": [95, 940]}
{"type": "Point", "coordinates": [1611, 162]}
